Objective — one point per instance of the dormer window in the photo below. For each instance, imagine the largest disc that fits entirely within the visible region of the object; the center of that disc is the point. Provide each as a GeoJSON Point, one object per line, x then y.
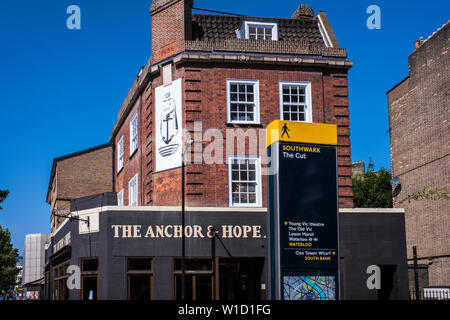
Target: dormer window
{"type": "Point", "coordinates": [255, 30]}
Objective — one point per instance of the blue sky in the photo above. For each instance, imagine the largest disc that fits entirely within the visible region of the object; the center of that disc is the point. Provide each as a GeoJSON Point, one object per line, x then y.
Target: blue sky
{"type": "Point", "coordinates": [61, 89]}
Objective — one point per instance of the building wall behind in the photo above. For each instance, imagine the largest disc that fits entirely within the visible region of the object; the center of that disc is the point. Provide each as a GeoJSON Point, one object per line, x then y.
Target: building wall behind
{"type": "Point", "coordinates": [86, 174]}
{"type": "Point", "coordinates": [420, 135]}
{"type": "Point", "coordinates": [34, 257]}
{"type": "Point", "coordinates": [82, 175]}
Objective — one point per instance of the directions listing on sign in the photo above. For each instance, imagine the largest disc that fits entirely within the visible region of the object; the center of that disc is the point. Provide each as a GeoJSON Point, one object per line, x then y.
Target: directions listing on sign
{"type": "Point", "coordinates": [303, 211]}
{"type": "Point", "coordinates": [308, 206]}
{"type": "Point", "coordinates": [302, 235]}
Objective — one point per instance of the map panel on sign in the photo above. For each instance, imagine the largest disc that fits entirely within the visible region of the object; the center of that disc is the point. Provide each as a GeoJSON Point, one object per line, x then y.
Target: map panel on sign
{"type": "Point", "coordinates": [309, 287]}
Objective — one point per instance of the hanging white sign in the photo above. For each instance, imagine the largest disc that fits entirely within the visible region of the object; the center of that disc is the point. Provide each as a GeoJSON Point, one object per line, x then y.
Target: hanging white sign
{"type": "Point", "coordinates": [169, 125]}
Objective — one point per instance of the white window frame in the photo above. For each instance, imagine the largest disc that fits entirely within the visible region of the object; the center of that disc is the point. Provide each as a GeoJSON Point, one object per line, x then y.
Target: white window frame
{"type": "Point", "coordinates": [120, 198]}
{"type": "Point", "coordinates": [120, 154]}
{"type": "Point", "coordinates": [134, 146]}
{"type": "Point", "coordinates": [308, 101]}
{"type": "Point", "coordinates": [323, 33]}
{"type": "Point", "coordinates": [258, 190]}
{"type": "Point", "coordinates": [256, 24]}
{"type": "Point", "coordinates": [255, 84]}
{"type": "Point", "coordinates": [135, 193]}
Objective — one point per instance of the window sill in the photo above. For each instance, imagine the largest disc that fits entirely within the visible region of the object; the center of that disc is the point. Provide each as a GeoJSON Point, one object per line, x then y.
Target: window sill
{"type": "Point", "coordinates": [260, 39]}
{"type": "Point", "coordinates": [133, 153]}
{"type": "Point", "coordinates": [241, 123]}
{"type": "Point", "coordinates": [245, 206]}
{"type": "Point", "coordinates": [296, 121]}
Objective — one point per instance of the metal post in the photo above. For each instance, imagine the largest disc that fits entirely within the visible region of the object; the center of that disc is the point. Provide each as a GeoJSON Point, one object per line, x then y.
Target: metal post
{"type": "Point", "coordinates": [416, 273]}
{"type": "Point", "coordinates": [213, 257]}
{"type": "Point", "coordinates": [183, 248]}
{"type": "Point", "coordinates": [183, 245]}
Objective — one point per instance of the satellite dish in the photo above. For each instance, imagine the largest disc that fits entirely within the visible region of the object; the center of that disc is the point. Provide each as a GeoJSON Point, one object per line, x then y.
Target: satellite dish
{"type": "Point", "coordinates": [395, 181]}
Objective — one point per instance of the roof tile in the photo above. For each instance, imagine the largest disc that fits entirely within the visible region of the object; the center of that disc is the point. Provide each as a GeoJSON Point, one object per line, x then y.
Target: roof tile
{"type": "Point", "coordinates": [208, 27]}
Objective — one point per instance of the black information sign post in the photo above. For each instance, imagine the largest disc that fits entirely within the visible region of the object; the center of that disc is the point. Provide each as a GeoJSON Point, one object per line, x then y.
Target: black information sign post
{"type": "Point", "coordinates": [303, 211]}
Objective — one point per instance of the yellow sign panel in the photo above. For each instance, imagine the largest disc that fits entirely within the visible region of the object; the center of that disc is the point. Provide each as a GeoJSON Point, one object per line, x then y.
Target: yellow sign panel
{"type": "Point", "coordinates": [301, 132]}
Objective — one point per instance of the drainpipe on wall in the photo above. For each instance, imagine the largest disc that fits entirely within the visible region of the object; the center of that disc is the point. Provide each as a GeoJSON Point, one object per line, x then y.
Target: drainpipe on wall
{"type": "Point", "coordinates": [113, 145]}
{"type": "Point", "coordinates": [142, 148]}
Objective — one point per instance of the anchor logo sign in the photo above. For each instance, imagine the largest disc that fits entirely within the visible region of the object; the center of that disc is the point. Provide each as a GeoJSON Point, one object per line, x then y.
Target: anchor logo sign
{"type": "Point", "coordinates": [168, 126]}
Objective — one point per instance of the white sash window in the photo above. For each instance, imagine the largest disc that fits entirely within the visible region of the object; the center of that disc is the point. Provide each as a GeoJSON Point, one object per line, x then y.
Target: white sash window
{"type": "Point", "coordinates": [120, 154]}
{"type": "Point", "coordinates": [244, 180]}
{"type": "Point", "coordinates": [133, 134]}
{"type": "Point", "coordinates": [120, 198]}
{"type": "Point", "coordinates": [295, 101]}
{"type": "Point", "coordinates": [243, 101]}
{"type": "Point", "coordinates": [133, 191]}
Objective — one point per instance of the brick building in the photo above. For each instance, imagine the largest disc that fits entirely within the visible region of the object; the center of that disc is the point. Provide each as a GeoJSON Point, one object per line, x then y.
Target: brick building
{"type": "Point", "coordinates": [76, 175]}
{"type": "Point", "coordinates": [220, 77]}
{"type": "Point", "coordinates": [420, 135]}
{"type": "Point", "coordinates": [236, 73]}
{"type": "Point", "coordinates": [358, 168]}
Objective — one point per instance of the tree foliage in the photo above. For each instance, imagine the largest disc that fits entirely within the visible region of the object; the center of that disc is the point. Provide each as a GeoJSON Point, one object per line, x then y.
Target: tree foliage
{"type": "Point", "coordinates": [8, 259]}
{"type": "Point", "coordinates": [8, 255]}
{"type": "Point", "coordinates": [3, 195]}
{"type": "Point", "coordinates": [373, 188]}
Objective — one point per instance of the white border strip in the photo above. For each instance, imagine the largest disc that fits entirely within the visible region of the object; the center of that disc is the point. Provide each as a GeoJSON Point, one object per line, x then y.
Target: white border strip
{"type": "Point", "coordinates": [324, 33]}
{"type": "Point", "coordinates": [371, 210]}
{"type": "Point", "coordinates": [178, 208]}
{"type": "Point", "coordinates": [218, 209]}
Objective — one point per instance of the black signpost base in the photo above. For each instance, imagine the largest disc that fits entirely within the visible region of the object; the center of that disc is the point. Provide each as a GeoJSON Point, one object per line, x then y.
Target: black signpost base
{"type": "Point", "coordinates": [303, 213]}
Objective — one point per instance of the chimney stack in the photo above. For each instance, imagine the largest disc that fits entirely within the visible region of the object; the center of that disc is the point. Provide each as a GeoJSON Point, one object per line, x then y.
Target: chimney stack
{"type": "Point", "coordinates": [418, 43]}
{"type": "Point", "coordinates": [171, 26]}
{"type": "Point", "coordinates": [303, 11]}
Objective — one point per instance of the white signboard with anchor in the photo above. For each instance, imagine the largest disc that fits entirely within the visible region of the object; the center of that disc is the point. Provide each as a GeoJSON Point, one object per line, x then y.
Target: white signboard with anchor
{"type": "Point", "coordinates": [168, 126]}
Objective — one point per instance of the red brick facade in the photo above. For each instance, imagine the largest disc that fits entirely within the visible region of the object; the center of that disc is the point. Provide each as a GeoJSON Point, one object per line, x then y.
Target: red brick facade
{"type": "Point", "coordinates": [132, 164]}
{"type": "Point", "coordinates": [204, 95]}
{"type": "Point", "coordinates": [171, 26]}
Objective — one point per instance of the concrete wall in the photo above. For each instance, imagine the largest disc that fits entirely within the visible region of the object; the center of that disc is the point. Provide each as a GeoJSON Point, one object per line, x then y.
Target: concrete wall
{"type": "Point", "coordinates": [34, 256]}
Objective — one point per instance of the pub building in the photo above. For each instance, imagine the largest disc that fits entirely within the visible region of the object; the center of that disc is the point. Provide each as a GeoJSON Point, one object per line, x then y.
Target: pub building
{"type": "Point", "coordinates": [226, 72]}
